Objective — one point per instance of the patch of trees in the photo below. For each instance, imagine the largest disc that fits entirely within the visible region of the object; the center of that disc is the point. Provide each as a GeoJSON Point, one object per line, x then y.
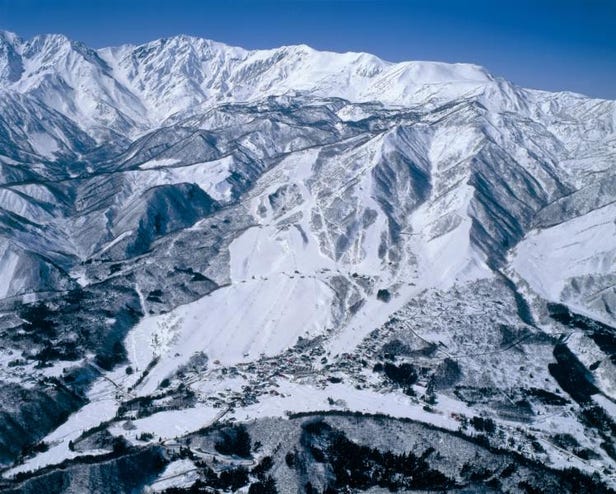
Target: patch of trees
{"type": "Point", "coordinates": [597, 418]}
{"type": "Point", "coordinates": [109, 357]}
{"type": "Point", "coordinates": [570, 480]}
{"type": "Point", "coordinates": [546, 397]}
{"type": "Point", "coordinates": [60, 350]}
{"type": "Point", "coordinates": [447, 374]}
{"type": "Point", "coordinates": [404, 374]}
{"type": "Point", "coordinates": [539, 476]}
{"type": "Point", "coordinates": [38, 318]}
{"type": "Point", "coordinates": [571, 375]}
{"type": "Point", "coordinates": [395, 347]}
{"type": "Point", "coordinates": [234, 441]}
{"type": "Point", "coordinates": [42, 329]}
{"type": "Point", "coordinates": [266, 486]}
{"type": "Point", "coordinates": [32, 449]}
{"type": "Point", "coordinates": [383, 295]}
{"type": "Point", "coordinates": [361, 467]}
{"type": "Point", "coordinates": [229, 479]}
{"type": "Point", "coordinates": [483, 425]}
{"type": "Point", "coordinates": [563, 315]}
{"type": "Point", "coordinates": [154, 296]}
{"type": "Point", "coordinates": [606, 341]}
{"type": "Point", "coordinates": [265, 483]}
{"type": "Point", "coordinates": [475, 472]}
{"type": "Point", "coordinates": [142, 405]}
{"type": "Point", "coordinates": [264, 466]}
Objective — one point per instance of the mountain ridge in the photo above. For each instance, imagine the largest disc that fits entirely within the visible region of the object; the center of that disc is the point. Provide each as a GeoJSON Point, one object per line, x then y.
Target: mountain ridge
{"type": "Point", "coordinates": [123, 66]}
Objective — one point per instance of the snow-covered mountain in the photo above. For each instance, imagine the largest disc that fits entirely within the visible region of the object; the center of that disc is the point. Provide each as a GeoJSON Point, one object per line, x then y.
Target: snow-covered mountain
{"type": "Point", "coordinates": [194, 235]}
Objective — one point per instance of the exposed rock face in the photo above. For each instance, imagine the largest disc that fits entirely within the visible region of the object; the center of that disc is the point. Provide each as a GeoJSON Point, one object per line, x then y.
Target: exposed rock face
{"type": "Point", "coordinates": [192, 233]}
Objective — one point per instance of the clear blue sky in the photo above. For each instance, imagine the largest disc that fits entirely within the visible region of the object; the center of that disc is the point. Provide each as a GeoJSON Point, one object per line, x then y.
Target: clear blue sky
{"type": "Point", "coordinates": [545, 44]}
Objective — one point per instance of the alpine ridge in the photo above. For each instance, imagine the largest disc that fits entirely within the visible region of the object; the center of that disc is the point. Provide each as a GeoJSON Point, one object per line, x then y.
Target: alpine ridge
{"type": "Point", "coordinates": [298, 271]}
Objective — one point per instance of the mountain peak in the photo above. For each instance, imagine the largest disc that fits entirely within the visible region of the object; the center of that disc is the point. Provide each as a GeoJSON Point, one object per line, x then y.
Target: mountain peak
{"type": "Point", "coordinates": [10, 37]}
{"type": "Point", "coordinates": [142, 85]}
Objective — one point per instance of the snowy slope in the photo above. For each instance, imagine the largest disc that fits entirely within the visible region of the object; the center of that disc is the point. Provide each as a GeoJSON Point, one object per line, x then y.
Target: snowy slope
{"type": "Point", "coordinates": [556, 260]}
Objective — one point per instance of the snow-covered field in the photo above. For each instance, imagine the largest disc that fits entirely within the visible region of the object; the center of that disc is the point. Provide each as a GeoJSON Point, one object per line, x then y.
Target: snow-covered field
{"type": "Point", "coordinates": [585, 245]}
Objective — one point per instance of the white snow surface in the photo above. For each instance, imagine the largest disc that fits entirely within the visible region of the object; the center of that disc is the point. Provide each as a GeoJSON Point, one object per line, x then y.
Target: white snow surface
{"type": "Point", "coordinates": [179, 473]}
{"type": "Point", "coordinates": [168, 424]}
{"type": "Point", "coordinates": [582, 246]}
{"type": "Point", "coordinates": [262, 311]}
